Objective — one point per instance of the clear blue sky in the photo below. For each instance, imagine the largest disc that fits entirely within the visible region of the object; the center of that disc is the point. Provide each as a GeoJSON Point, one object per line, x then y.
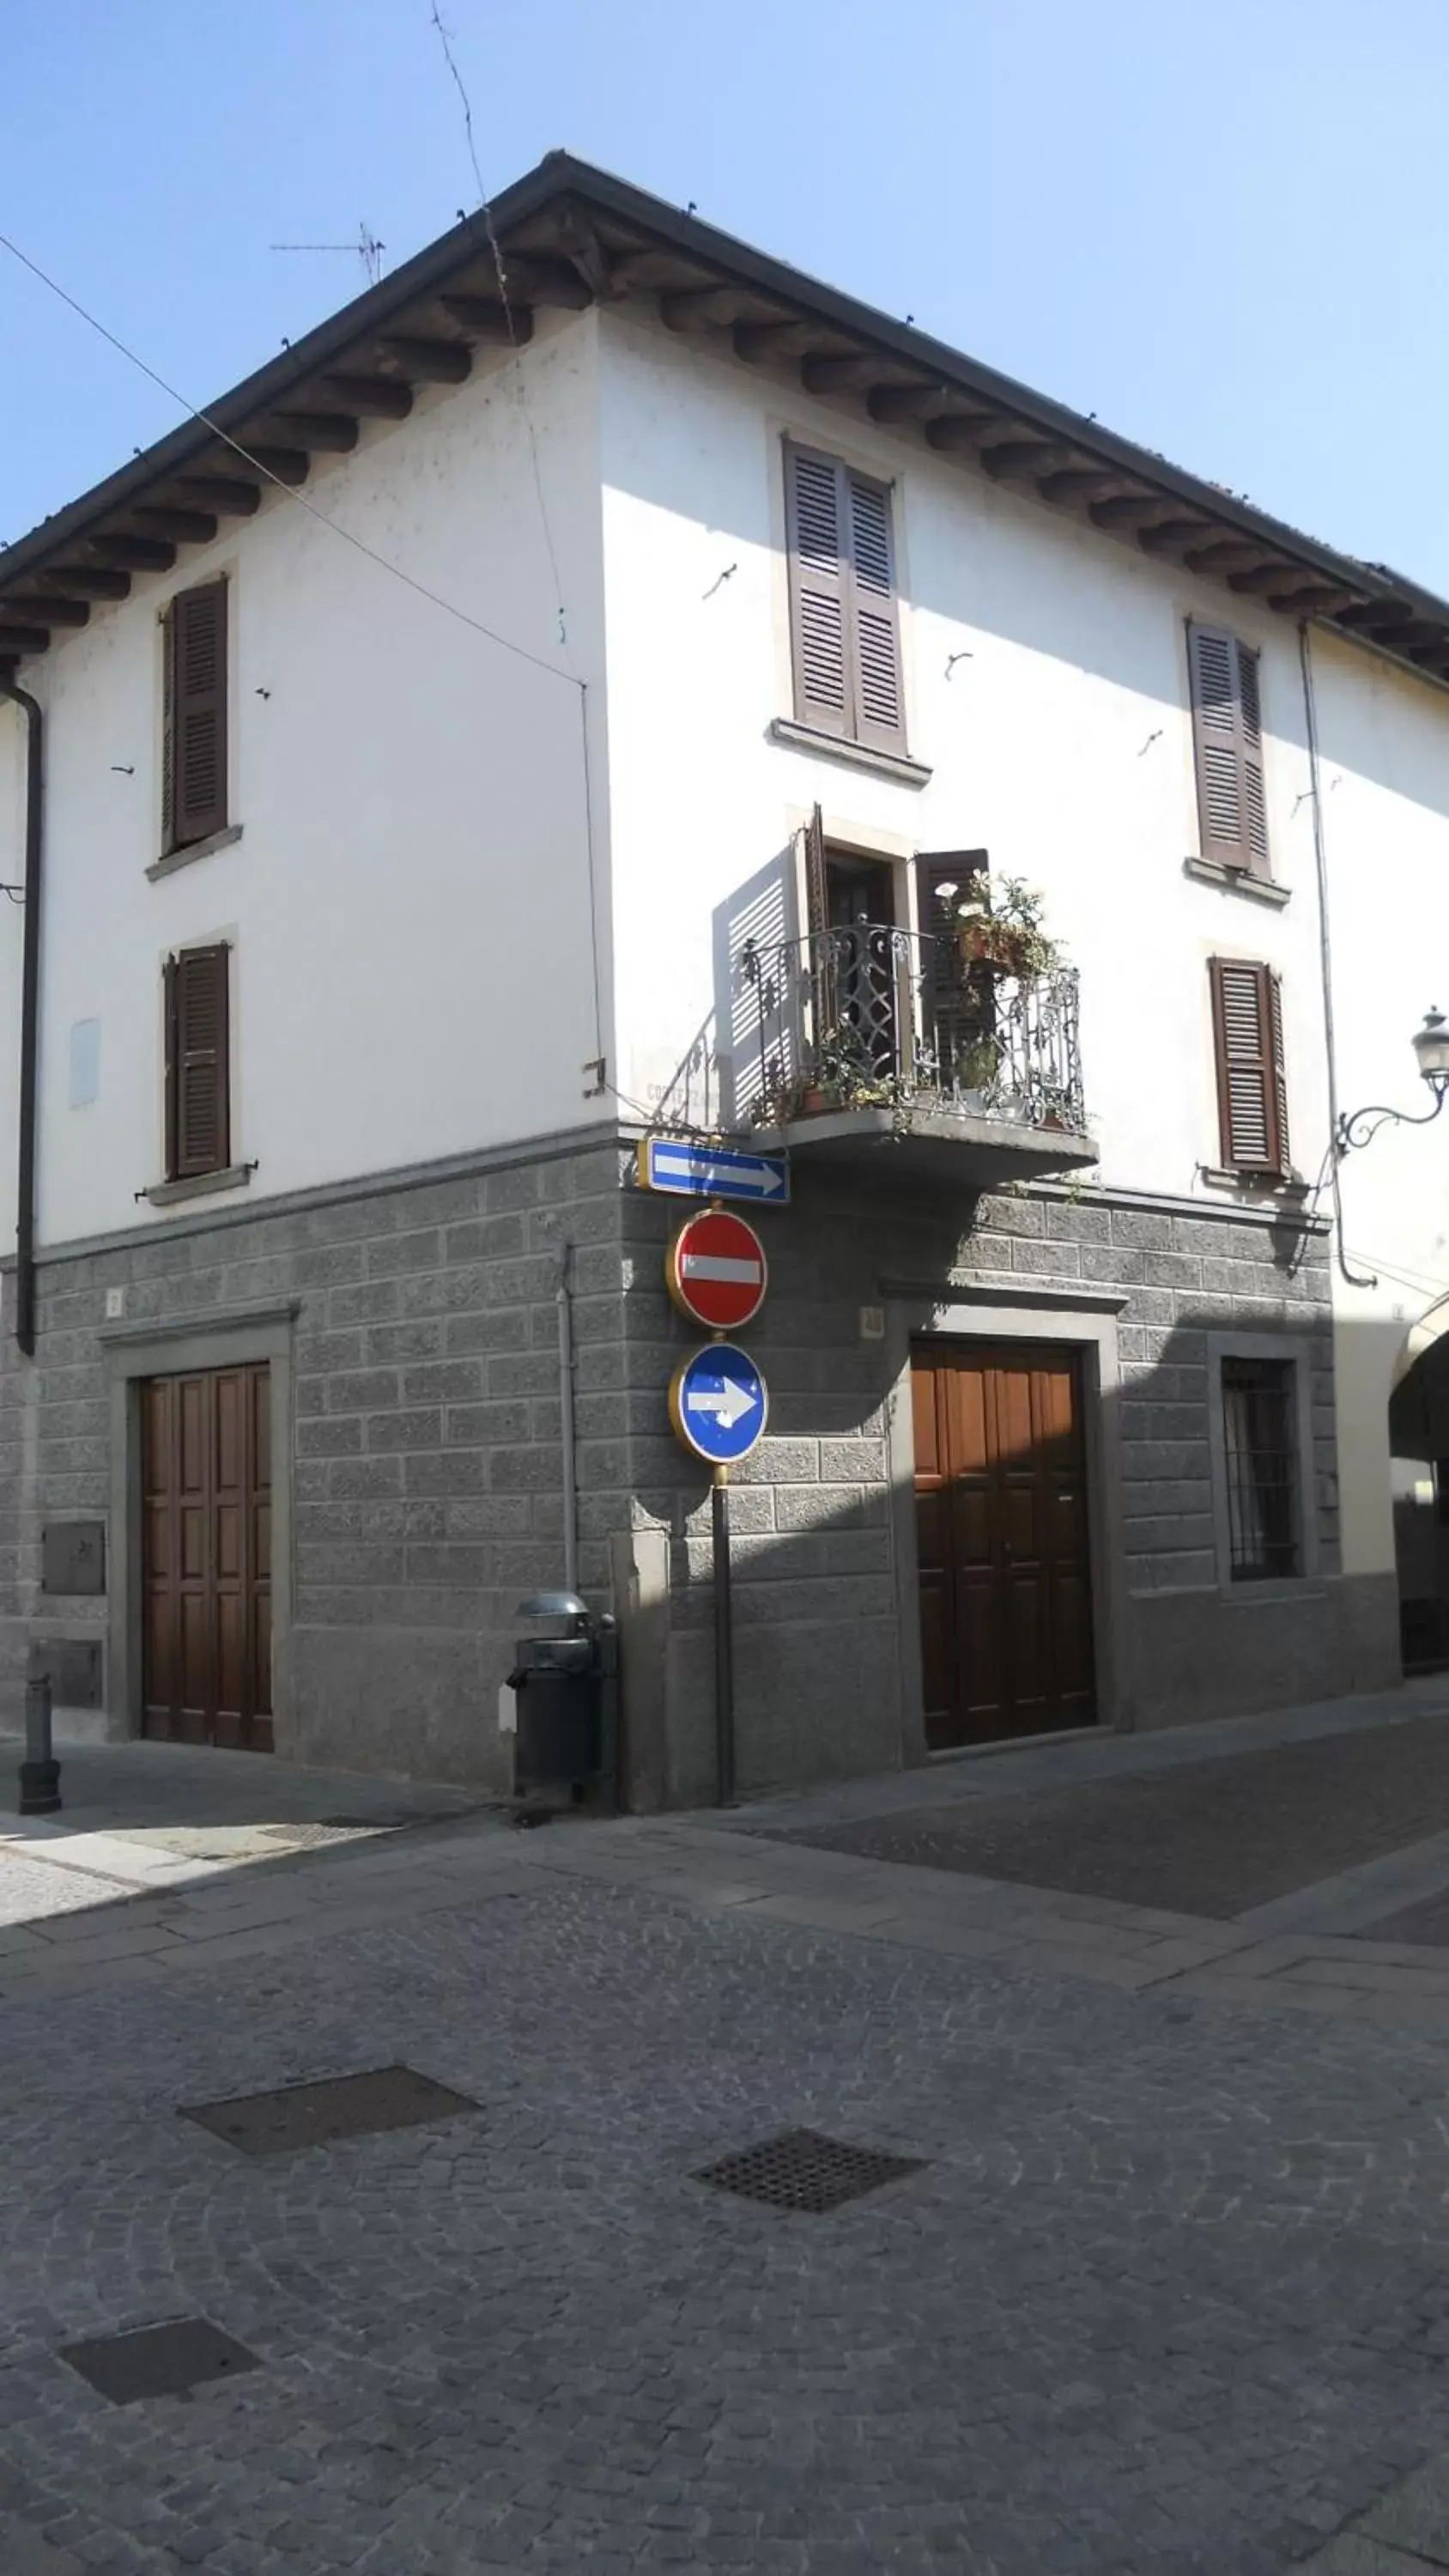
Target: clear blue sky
{"type": "Point", "coordinates": [1230, 245]}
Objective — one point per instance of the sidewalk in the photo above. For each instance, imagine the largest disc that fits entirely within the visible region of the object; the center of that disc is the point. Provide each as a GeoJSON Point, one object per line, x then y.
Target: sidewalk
{"type": "Point", "coordinates": [105, 1896]}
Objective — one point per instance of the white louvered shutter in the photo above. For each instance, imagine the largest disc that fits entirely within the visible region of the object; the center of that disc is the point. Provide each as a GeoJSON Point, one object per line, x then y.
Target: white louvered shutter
{"type": "Point", "coordinates": [1228, 739]}
{"type": "Point", "coordinates": [879, 714]}
{"type": "Point", "coordinates": [819, 587]}
{"type": "Point", "coordinates": [1248, 1035]}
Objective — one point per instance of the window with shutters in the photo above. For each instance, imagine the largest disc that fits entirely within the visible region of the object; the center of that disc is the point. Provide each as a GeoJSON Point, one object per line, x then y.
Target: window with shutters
{"type": "Point", "coordinates": [193, 767]}
{"type": "Point", "coordinates": [844, 627]}
{"type": "Point", "coordinates": [1252, 1090]}
{"type": "Point", "coordinates": [198, 1086]}
{"type": "Point", "coordinates": [1228, 740]}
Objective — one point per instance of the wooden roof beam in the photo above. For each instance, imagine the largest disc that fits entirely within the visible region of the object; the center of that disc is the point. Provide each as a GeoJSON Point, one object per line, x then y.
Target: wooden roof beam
{"type": "Point", "coordinates": [1400, 634]}
{"type": "Point", "coordinates": [489, 322]}
{"type": "Point", "coordinates": [23, 639]}
{"type": "Point", "coordinates": [372, 397]}
{"type": "Point", "coordinates": [430, 362]}
{"type": "Point", "coordinates": [191, 527]}
{"type": "Point", "coordinates": [330, 433]}
{"type": "Point", "coordinates": [1311, 597]}
{"type": "Point", "coordinates": [547, 281]}
{"type": "Point", "coordinates": [840, 375]}
{"type": "Point", "coordinates": [281, 464]}
{"type": "Point", "coordinates": [1171, 536]}
{"type": "Point", "coordinates": [223, 492]}
{"type": "Point", "coordinates": [45, 609]}
{"type": "Point", "coordinates": [1224, 554]}
{"type": "Point", "coordinates": [1081, 483]}
{"type": "Point", "coordinates": [699, 308]}
{"type": "Point", "coordinates": [787, 340]}
{"type": "Point", "coordinates": [1263, 577]}
{"type": "Point", "coordinates": [137, 554]}
{"type": "Point", "coordinates": [1023, 459]}
{"type": "Point", "coordinates": [89, 581]}
{"type": "Point", "coordinates": [962, 434]}
{"type": "Point", "coordinates": [588, 263]}
{"type": "Point", "coordinates": [890, 403]}
{"type": "Point", "coordinates": [1129, 510]}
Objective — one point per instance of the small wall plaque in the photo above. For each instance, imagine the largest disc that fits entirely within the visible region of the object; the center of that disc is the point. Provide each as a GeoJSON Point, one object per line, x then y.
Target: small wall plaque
{"type": "Point", "coordinates": [73, 1557]}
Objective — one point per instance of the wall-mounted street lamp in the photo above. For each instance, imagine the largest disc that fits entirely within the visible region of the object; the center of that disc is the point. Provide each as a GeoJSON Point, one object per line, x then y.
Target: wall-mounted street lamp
{"type": "Point", "coordinates": [1431, 1051]}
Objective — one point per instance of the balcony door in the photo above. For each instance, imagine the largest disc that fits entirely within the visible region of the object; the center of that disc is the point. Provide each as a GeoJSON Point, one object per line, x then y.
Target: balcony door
{"type": "Point", "coordinates": [1001, 1522]}
{"type": "Point", "coordinates": [856, 970]}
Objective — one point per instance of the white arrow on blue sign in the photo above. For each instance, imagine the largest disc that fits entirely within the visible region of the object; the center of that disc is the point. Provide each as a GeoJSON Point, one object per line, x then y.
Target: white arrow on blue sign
{"type": "Point", "coordinates": [713, 1172]}
{"type": "Point", "coordinates": [718, 1403]}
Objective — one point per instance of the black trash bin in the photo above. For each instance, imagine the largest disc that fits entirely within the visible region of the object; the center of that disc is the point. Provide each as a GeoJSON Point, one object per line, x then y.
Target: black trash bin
{"type": "Point", "coordinates": [563, 1680]}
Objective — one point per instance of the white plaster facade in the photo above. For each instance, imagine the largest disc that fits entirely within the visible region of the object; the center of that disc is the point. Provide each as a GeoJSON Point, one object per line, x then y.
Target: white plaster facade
{"type": "Point", "coordinates": [409, 897]}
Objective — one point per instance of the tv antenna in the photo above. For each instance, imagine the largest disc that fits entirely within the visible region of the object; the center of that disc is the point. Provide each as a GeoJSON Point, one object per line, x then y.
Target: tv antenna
{"type": "Point", "coordinates": [367, 248]}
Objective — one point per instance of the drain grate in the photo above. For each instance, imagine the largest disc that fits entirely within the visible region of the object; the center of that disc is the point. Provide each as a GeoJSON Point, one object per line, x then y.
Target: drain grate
{"type": "Point", "coordinates": [314, 2115]}
{"type": "Point", "coordinates": [803, 2170]}
{"type": "Point", "coordinates": [159, 2361]}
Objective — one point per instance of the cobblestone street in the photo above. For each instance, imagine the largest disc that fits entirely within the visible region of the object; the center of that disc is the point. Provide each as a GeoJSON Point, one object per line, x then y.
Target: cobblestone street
{"type": "Point", "coordinates": [1168, 2289]}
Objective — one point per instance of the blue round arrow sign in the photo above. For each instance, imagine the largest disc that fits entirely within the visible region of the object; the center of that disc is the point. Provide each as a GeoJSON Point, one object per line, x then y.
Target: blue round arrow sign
{"type": "Point", "coordinates": [718, 1403]}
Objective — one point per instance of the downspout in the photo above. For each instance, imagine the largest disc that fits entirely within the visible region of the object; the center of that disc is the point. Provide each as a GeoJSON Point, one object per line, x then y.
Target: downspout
{"type": "Point", "coordinates": [29, 1020]}
{"type": "Point", "coordinates": [1325, 954]}
{"type": "Point", "coordinates": [566, 1424]}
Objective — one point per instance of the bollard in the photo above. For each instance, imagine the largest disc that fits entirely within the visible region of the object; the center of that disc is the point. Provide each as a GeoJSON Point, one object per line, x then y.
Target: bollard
{"type": "Point", "coordinates": [40, 1771]}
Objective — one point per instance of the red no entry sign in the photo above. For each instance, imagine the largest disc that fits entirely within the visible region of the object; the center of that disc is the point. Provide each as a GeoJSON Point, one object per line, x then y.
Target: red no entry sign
{"type": "Point", "coordinates": [716, 1270]}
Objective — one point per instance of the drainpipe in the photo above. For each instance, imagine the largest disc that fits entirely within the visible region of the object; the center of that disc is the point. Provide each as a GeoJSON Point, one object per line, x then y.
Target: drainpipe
{"type": "Point", "coordinates": [29, 1021]}
{"type": "Point", "coordinates": [566, 1424]}
{"type": "Point", "coordinates": [1354, 1278]}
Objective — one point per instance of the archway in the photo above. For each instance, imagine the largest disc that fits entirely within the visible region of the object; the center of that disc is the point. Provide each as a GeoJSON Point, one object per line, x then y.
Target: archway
{"type": "Point", "coordinates": [1419, 1467]}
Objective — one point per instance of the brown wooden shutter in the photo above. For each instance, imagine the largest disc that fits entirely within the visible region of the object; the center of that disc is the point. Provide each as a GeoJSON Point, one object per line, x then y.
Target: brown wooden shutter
{"type": "Point", "coordinates": [195, 795]}
{"type": "Point", "coordinates": [1248, 1037]}
{"type": "Point", "coordinates": [819, 590]}
{"type": "Point", "coordinates": [198, 1107]}
{"type": "Point", "coordinates": [1280, 1077]}
{"type": "Point", "coordinates": [880, 714]}
{"type": "Point", "coordinates": [817, 905]}
{"type": "Point", "coordinates": [1228, 738]}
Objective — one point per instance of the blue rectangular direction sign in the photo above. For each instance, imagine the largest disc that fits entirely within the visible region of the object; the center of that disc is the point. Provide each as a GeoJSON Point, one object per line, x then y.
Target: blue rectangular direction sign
{"type": "Point", "coordinates": [693, 1171]}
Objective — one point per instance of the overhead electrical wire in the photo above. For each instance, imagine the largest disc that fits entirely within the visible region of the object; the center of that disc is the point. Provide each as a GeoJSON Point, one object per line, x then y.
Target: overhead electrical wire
{"type": "Point", "coordinates": [421, 589]}
{"type": "Point", "coordinates": [449, 606]}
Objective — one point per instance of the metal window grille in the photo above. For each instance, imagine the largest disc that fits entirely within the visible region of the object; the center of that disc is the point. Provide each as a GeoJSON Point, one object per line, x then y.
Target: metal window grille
{"type": "Point", "coordinates": [1262, 1468]}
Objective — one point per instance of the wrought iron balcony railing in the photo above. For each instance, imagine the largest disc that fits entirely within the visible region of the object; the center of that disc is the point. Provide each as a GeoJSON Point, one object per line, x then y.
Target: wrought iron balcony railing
{"type": "Point", "coordinates": [863, 1015]}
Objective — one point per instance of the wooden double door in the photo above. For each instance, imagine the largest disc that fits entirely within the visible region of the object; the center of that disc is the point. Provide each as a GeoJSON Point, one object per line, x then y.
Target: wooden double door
{"type": "Point", "coordinates": [206, 1481]}
{"type": "Point", "coordinates": [1001, 1524]}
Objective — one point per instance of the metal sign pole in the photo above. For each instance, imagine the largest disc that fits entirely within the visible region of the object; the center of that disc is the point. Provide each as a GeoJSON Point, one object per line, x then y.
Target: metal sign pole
{"type": "Point", "coordinates": [724, 1670]}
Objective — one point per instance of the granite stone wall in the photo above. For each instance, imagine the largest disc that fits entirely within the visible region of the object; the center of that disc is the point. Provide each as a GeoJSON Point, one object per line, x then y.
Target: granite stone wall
{"type": "Point", "coordinates": [426, 1478]}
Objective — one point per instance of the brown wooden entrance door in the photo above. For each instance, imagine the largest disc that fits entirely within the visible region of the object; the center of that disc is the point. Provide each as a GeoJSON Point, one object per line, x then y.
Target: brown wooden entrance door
{"type": "Point", "coordinates": [1001, 1521]}
{"type": "Point", "coordinates": [206, 1558]}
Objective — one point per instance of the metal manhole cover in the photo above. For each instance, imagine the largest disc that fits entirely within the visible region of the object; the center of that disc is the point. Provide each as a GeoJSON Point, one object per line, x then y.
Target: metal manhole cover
{"type": "Point", "coordinates": [159, 2361]}
{"type": "Point", "coordinates": [341, 2106]}
{"type": "Point", "coordinates": [803, 2170]}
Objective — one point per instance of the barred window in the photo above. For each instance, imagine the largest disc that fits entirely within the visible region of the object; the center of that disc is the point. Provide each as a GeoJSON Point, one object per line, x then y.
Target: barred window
{"type": "Point", "coordinates": [1260, 1446]}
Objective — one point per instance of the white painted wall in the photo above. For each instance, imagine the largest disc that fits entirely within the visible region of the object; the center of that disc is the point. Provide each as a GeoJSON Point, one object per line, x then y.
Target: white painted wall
{"type": "Point", "coordinates": [12, 932]}
{"type": "Point", "coordinates": [1062, 745]}
{"type": "Point", "coordinates": [1384, 749]}
{"type": "Point", "coordinates": [409, 897]}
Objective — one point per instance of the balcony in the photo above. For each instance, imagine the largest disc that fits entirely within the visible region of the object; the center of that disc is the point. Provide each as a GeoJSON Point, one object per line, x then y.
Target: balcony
{"type": "Point", "coordinates": [862, 1042]}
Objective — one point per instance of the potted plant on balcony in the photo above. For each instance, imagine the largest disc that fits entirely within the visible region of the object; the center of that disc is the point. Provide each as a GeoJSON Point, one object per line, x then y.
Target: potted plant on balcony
{"type": "Point", "coordinates": [840, 1075]}
{"type": "Point", "coordinates": [1000, 924]}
